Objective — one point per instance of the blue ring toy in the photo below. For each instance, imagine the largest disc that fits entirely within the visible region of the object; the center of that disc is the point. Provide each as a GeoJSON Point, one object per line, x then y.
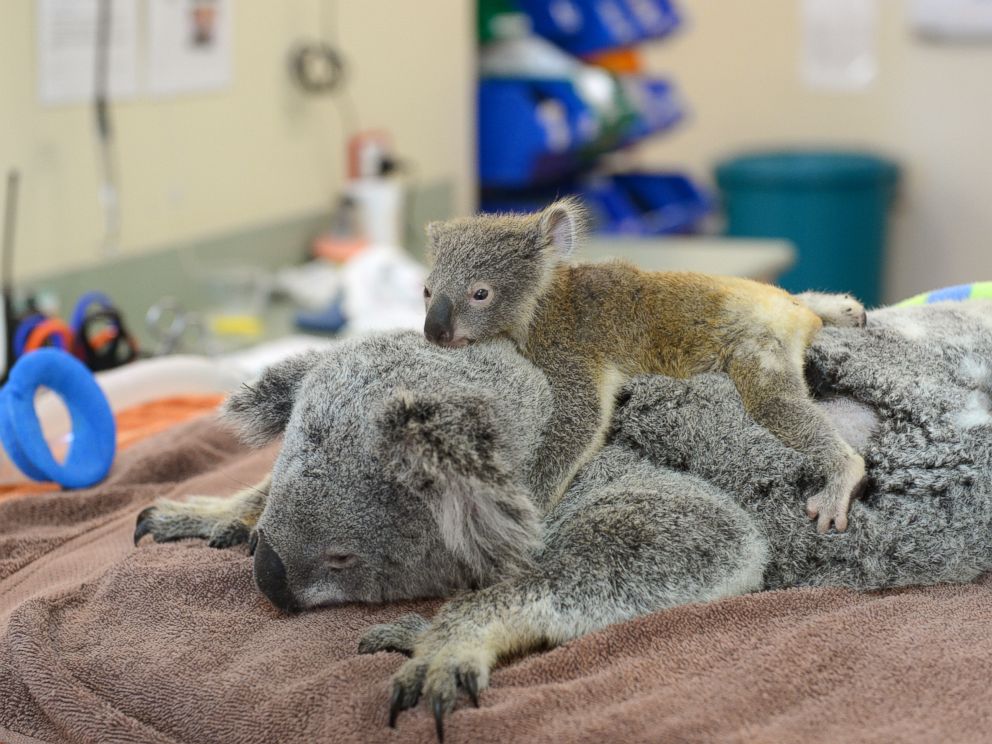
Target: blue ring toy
{"type": "Point", "coordinates": [24, 329]}
{"type": "Point", "coordinates": [94, 431]}
{"type": "Point", "coordinates": [83, 304]}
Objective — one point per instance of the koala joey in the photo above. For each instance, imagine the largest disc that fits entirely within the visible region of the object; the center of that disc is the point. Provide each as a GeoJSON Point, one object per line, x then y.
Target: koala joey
{"type": "Point", "coordinates": [590, 327]}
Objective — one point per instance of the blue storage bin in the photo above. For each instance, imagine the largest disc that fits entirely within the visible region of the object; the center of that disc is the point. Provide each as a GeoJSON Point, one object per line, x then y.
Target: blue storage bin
{"type": "Point", "coordinates": [670, 203]}
{"type": "Point", "coordinates": [657, 104]}
{"type": "Point", "coordinates": [518, 143]}
{"type": "Point", "coordinates": [649, 203]}
{"type": "Point", "coordinates": [833, 206]}
{"type": "Point", "coordinates": [587, 26]}
{"type": "Point", "coordinates": [534, 131]}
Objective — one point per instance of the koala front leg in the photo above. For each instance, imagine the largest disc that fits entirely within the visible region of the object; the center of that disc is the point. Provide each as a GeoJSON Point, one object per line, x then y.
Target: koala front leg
{"type": "Point", "coordinates": [774, 393]}
{"type": "Point", "coordinates": [583, 401]}
{"type": "Point", "coordinates": [611, 554]}
{"type": "Point", "coordinates": [223, 521]}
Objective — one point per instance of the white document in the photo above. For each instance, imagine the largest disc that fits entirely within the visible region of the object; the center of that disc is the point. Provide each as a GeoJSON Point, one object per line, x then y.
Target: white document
{"type": "Point", "coordinates": [67, 33]}
{"type": "Point", "coordinates": [189, 46]}
{"type": "Point", "coordinates": [839, 43]}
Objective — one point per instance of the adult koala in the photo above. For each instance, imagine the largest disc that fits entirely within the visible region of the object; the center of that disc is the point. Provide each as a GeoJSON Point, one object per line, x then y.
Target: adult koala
{"type": "Point", "coordinates": [403, 473]}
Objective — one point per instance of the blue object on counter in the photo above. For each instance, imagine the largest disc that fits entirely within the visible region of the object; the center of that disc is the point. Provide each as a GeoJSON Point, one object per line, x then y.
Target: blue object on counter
{"type": "Point", "coordinates": [623, 204]}
{"type": "Point", "coordinates": [329, 320]}
{"type": "Point", "coordinates": [94, 432]}
{"type": "Point", "coordinates": [588, 26]}
{"type": "Point", "coordinates": [832, 205]}
{"type": "Point", "coordinates": [650, 203]}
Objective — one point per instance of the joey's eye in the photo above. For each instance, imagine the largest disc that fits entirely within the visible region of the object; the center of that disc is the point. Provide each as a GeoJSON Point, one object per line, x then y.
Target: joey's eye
{"type": "Point", "coordinates": [480, 294]}
{"type": "Point", "coordinates": [340, 561]}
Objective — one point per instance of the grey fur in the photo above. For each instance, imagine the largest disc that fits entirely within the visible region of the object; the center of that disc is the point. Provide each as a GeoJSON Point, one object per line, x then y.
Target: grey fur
{"type": "Point", "coordinates": [689, 501]}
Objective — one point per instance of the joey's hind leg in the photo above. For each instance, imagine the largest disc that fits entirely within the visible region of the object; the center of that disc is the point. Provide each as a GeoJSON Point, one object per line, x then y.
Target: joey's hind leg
{"type": "Point", "coordinates": [840, 310]}
{"type": "Point", "coordinates": [223, 521]}
{"type": "Point", "coordinates": [775, 395]}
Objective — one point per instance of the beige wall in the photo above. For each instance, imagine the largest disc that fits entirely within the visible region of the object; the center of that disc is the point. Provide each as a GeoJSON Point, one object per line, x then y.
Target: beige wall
{"type": "Point", "coordinates": [930, 107]}
{"type": "Point", "coordinates": [254, 153]}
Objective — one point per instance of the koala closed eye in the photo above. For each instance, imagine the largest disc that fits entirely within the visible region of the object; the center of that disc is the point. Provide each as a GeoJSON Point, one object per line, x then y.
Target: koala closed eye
{"type": "Point", "coordinates": [340, 561]}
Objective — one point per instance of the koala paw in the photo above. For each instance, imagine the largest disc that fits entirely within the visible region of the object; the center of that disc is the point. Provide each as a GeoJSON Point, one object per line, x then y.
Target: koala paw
{"type": "Point", "coordinates": [839, 310]}
{"type": "Point", "coordinates": [202, 517]}
{"type": "Point", "coordinates": [439, 677]}
{"type": "Point", "coordinates": [400, 636]}
{"type": "Point", "coordinates": [830, 506]}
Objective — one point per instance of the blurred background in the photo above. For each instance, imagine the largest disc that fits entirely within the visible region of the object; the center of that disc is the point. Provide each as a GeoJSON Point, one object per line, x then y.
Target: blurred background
{"type": "Point", "coordinates": [209, 176]}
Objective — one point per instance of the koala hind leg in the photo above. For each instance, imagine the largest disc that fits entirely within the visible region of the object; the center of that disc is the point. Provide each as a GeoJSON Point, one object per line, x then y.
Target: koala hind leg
{"type": "Point", "coordinates": [222, 521]}
{"type": "Point", "coordinates": [839, 310]}
{"type": "Point", "coordinates": [774, 393]}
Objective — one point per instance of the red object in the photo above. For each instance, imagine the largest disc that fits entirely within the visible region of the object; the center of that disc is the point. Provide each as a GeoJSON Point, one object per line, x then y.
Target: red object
{"type": "Point", "coordinates": [360, 144]}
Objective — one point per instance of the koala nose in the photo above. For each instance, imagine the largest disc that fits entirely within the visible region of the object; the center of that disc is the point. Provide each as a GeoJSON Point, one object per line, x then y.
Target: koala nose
{"type": "Point", "coordinates": [437, 327]}
{"type": "Point", "coordinates": [270, 576]}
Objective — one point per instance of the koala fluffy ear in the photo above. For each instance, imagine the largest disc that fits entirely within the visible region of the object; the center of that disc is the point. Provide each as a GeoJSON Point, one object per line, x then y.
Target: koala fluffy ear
{"type": "Point", "coordinates": [563, 225]}
{"type": "Point", "coordinates": [448, 450]}
{"type": "Point", "coordinates": [433, 229]}
{"type": "Point", "coordinates": [260, 410]}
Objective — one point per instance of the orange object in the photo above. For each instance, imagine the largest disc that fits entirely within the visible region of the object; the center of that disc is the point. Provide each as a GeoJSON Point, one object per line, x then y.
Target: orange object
{"type": "Point", "coordinates": [103, 337]}
{"type": "Point", "coordinates": [135, 425]}
{"type": "Point", "coordinates": [337, 250]}
{"type": "Point", "coordinates": [44, 331]}
{"type": "Point", "coordinates": [620, 61]}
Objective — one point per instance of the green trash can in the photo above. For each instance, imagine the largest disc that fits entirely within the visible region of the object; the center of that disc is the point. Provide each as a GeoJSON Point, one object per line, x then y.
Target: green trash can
{"type": "Point", "coordinates": [833, 206]}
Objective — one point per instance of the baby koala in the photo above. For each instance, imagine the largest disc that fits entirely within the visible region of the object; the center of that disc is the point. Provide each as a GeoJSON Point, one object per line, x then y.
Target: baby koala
{"type": "Point", "coordinates": [591, 326]}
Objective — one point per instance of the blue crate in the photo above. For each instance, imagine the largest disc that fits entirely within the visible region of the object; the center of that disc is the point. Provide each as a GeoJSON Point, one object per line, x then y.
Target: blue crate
{"type": "Point", "coordinates": [589, 26]}
{"type": "Point", "coordinates": [535, 132]}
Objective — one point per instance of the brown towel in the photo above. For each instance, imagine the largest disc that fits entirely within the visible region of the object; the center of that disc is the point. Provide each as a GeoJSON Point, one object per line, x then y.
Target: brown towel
{"type": "Point", "coordinates": [171, 643]}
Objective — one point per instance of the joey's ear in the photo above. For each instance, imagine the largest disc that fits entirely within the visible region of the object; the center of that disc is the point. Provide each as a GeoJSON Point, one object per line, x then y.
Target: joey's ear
{"type": "Point", "coordinates": [259, 410]}
{"type": "Point", "coordinates": [448, 450]}
{"type": "Point", "coordinates": [433, 230]}
{"type": "Point", "coordinates": [563, 225]}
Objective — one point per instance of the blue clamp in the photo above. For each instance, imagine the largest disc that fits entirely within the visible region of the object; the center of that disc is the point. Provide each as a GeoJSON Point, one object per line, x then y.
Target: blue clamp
{"type": "Point", "coordinates": [94, 432]}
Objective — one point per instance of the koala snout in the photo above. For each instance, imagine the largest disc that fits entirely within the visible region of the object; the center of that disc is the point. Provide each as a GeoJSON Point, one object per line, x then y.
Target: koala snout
{"type": "Point", "coordinates": [438, 326]}
{"type": "Point", "coordinates": [270, 576]}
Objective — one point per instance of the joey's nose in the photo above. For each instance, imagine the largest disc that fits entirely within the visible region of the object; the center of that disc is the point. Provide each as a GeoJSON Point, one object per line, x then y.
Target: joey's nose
{"type": "Point", "coordinates": [270, 576]}
{"type": "Point", "coordinates": [437, 327]}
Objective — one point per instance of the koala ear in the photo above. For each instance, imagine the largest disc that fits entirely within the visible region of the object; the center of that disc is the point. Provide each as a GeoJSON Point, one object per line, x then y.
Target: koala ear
{"type": "Point", "coordinates": [448, 450]}
{"type": "Point", "coordinates": [563, 225]}
{"type": "Point", "coordinates": [433, 229]}
{"type": "Point", "coordinates": [260, 410]}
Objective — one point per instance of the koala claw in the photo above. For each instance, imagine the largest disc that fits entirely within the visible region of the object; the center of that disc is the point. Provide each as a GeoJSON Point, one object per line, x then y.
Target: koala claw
{"type": "Point", "coordinates": [439, 679]}
{"type": "Point", "coordinates": [143, 525]}
{"type": "Point", "coordinates": [406, 690]}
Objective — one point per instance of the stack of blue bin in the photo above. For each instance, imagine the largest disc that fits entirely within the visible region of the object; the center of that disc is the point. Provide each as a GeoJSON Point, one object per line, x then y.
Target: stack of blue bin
{"type": "Point", "coordinates": [539, 139]}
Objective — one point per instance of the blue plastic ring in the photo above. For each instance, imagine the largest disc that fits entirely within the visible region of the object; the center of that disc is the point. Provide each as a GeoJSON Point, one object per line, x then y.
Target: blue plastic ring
{"type": "Point", "coordinates": [94, 432]}
{"type": "Point", "coordinates": [83, 304]}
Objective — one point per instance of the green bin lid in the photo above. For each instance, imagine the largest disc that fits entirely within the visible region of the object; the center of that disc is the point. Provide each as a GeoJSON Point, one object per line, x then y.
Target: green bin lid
{"type": "Point", "coordinates": [805, 168]}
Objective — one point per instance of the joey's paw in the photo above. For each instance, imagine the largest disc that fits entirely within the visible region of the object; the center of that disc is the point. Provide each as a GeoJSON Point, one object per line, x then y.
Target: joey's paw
{"type": "Point", "coordinates": [839, 310]}
{"type": "Point", "coordinates": [201, 517]}
{"type": "Point", "coordinates": [827, 510]}
{"type": "Point", "coordinates": [400, 636]}
{"type": "Point", "coordinates": [844, 311]}
{"type": "Point", "coordinates": [438, 678]}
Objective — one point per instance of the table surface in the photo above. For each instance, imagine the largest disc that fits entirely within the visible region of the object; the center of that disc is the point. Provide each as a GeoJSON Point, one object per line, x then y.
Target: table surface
{"type": "Point", "coordinates": [760, 259]}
